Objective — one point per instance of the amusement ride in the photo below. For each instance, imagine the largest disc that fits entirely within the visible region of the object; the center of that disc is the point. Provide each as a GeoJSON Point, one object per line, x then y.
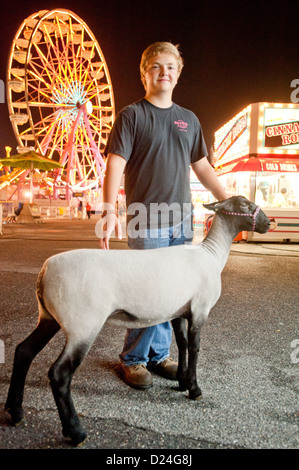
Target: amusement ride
{"type": "Point", "coordinates": [60, 99]}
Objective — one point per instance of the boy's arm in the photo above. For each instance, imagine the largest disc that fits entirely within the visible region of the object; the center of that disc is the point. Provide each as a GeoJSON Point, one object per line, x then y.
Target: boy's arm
{"type": "Point", "coordinates": [114, 170]}
{"type": "Point", "coordinates": [207, 176]}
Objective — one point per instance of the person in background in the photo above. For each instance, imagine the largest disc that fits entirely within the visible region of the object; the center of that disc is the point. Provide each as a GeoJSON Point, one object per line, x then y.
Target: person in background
{"type": "Point", "coordinates": [88, 210]}
{"type": "Point", "coordinates": [80, 210]}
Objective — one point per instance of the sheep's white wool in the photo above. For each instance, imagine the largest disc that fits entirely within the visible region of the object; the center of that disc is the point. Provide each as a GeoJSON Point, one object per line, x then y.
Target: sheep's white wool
{"type": "Point", "coordinates": [151, 286]}
{"type": "Point", "coordinates": [81, 289]}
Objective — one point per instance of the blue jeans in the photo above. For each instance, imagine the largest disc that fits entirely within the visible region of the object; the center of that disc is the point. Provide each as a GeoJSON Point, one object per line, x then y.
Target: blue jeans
{"type": "Point", "coordinates": [143, 345]}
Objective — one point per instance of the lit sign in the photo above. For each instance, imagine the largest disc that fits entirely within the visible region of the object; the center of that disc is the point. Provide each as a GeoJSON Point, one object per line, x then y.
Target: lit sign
{"type": "Point", "coordinates": [282, 134]}
{"type": "Point", "coordinates": [231, 137]}
{"type": "Point", "coordinates": [281, 128]}
{"type": "Point", "coordinates": [269, 130]}
{"type": "Point", "coordinates": [281, 167]}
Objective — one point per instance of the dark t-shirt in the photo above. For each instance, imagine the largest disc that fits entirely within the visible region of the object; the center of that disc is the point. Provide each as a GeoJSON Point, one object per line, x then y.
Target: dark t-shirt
{"type": "Point", "coordinates": [159, 145]}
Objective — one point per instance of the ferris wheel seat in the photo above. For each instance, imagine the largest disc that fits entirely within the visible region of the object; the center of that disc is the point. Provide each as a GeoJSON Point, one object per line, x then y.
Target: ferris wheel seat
{"type": "Point", "coordinates": [18, 72]}
{"type": "Point", "coordinates": [31, 23]}
{"type": "Point", "coordinates": [97, 64]}
{"type": "Point", "coordinates": [19, 119]}
{"type": "Point", "coordinates": [35, 38]}
{"type": "Point", "coordinates": [77, 27]}
{"type": "Point", "coordinates": [97, 74]}
{"type": "Point", "coordinates": [42, 13]}
{"type": "Point", "coordinates": [77, 38]}
{"type": "Point", "coordinates": [89, 55]}
{"type": "Point", "coordinates": [26, 137]}
{"type": "Point", "coordinates": [17, 85]}
{"type": "Point", "coordinates": [104, 96]}
{"type": "Point", "coordinates": [22, 42]}
{"type": "Point", "coordinates": [20, 56]}
{"type": "Point", "coordinates": [47, 27]}
{"type": "Point", "coordinates": [62, 29]}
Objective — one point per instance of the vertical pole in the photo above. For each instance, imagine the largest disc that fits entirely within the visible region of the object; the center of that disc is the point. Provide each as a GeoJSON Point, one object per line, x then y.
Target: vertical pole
{"type": "Point", "coordinates": [31, 183]}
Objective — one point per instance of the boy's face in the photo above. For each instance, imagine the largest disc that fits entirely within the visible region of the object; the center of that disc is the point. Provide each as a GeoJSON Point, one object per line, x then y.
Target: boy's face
{"type": "Point", "coordinates": [162, 73]}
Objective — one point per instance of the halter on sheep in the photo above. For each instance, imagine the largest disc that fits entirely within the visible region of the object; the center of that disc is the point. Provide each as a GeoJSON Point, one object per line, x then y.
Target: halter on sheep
{"type": "Point", "coordinates": [246, 215]}
{"type": "Point", "coordinates": [137, 294]}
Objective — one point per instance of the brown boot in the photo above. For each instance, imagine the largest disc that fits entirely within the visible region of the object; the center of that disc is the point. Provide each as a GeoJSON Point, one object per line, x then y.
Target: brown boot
{"type": "Point", "coordinates": [137, 376]}
{"type": "Point", "coordinates": [167, 369]}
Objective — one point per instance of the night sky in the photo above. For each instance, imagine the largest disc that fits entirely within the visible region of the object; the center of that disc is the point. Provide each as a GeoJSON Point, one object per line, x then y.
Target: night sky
{"type": "Point", "coordinates": [235, 52]}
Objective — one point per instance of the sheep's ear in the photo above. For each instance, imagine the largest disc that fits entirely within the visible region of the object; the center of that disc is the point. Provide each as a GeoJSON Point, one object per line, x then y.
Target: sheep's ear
{"type": "Point", "coordinates": [215, 206]}
{"type": "Point", "coordinates": [230, 204]}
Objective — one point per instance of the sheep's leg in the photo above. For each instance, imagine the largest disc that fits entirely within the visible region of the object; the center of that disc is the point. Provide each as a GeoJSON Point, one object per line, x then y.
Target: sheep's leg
{"type": "Point", "coordinates": [193, 349]}
{"type": "Point", "coordinates": [179, 328]}
{"type": "Point", "coordinates": [60, 375]}
{"type": "Point", "coordinates": [24, 355]}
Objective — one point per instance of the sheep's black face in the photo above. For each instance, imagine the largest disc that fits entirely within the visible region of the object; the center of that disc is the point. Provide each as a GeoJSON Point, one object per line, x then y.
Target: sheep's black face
{"type": "Point", "coordinates": [256, 221]}
{"type": "Point", "coordinates": [262, 223]}
{"type": "Point", "coordinates": [246, 215]}
{"type": "Point", "coordinates": [259, 221]}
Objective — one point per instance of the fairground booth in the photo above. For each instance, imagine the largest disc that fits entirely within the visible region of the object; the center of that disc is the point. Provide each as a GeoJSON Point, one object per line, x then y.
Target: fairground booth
{"type": "Point", "coordinates": [256, 154]}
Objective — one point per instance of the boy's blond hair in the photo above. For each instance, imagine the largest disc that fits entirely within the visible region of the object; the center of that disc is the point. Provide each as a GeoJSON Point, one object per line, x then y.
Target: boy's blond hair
{"type": "Point", "coordinates": [156, 48]}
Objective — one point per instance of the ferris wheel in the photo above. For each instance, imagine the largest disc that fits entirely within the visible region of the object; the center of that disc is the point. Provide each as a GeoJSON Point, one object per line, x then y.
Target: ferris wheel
{"type": "Point", "coordinates": [60, 96]}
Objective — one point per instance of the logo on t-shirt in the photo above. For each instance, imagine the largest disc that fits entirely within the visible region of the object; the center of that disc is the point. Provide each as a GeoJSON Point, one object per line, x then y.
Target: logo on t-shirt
{"type": "Point", "coordinates": [181, 125]}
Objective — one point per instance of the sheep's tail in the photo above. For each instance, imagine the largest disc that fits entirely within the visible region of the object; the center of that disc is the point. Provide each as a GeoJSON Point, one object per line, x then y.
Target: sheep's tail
{"type": "Point", "coordinates": [42, 309]}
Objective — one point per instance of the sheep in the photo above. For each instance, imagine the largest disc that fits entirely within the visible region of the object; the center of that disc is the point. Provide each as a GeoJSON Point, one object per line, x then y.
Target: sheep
{"type": "Point", "coordinates": [130, 288]}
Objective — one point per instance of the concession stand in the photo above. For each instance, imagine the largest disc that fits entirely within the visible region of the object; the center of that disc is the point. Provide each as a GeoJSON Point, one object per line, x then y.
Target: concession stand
{"type": "Point", "coordinates": [256, 154]}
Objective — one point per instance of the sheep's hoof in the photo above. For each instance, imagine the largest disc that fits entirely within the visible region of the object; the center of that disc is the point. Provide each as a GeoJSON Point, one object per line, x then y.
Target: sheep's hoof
{"type": "Point", "coordinates": [195, 395]}
{"type": "Point", "coordinates": [77, 438]}
{"type": "Point", "coordinates": [199, 397]}
{"type": "Point", "coordinates": [81, 444]}
{"type": "Point", "coordinates": [20, 423]}
{"type": "Point", "coordinates": [16, 416]}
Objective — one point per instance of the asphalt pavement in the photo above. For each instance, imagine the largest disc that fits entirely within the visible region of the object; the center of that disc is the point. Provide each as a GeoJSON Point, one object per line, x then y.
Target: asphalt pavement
{"type": "Point", "coordinates": [247, 367]}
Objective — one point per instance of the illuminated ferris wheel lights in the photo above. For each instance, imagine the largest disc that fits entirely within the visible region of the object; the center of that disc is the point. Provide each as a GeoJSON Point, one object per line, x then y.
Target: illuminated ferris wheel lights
{"type": "Point", "coordinates": [89, 107]}
{"type": "Point", "coordinates": [68, 94]}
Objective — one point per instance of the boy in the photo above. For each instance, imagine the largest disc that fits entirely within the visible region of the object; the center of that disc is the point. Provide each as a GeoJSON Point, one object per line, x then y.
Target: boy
{"type": "Point", "coordinates": [155, 141]}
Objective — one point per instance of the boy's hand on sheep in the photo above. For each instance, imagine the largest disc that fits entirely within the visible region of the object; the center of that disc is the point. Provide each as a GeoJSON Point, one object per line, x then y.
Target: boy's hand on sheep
{"type": "Point", "coordinates": [105, 228]}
